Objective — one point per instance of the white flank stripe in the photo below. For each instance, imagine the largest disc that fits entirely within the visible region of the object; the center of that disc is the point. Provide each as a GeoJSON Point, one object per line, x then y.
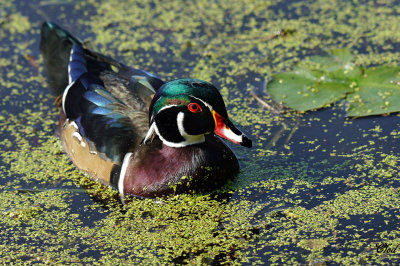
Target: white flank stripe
{"type": "Point", "coordinates": [125, 164]}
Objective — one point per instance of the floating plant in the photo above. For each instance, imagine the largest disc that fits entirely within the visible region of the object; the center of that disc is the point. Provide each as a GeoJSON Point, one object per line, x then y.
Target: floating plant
{"type": "Point", "coordinates": [324, 80]}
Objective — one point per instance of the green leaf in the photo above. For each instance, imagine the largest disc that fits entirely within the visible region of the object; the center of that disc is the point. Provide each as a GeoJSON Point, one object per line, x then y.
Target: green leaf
{"type": "Point", "coordinates": [335, 60]}
{"type": "Point", "coordinates": [323, 80]}
{"type": "Point", "coordinates": [305, 90]}
{"type": "Point", "coordinates": [378, 92]}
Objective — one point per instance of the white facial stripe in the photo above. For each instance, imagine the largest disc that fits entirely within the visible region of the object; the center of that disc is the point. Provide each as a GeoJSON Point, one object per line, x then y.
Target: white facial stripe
{"type": "Point", "coordinates": [153, 126]}
{"type": "Point", "coordinates": [125, 164]}
{"type": "Point", "coordinates": [182, 143]}
{"type": "Point", "coordinates": [206, 104]}
{"type": "Point", "coordinates": [232, 136]}
{"type": "Point", "coordinates": [165, 107]}
{"type": "Point", "coordinates": [166, 142]}
{"type": "Point", "coordinates": [189, 139]}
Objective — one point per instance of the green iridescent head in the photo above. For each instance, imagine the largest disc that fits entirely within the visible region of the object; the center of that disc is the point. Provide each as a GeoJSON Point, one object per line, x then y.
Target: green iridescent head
{"type": "Point", "coordinates": [185, 90]}
{"type": "Point", "coordinates": [184, 110]}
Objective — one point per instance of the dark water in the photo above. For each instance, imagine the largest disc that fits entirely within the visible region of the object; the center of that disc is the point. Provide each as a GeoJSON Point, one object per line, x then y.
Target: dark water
{"type": "Point", "coordinates": [309, 176]}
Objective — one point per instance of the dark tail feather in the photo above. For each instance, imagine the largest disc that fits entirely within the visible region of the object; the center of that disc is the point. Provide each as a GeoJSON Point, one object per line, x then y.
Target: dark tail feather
{"type": "Point", "coordinates": [55, 46]}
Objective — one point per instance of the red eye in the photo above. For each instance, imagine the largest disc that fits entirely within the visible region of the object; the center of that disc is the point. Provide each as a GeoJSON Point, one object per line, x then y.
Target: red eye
{"type": "Point", "coordinates": [194, 107]}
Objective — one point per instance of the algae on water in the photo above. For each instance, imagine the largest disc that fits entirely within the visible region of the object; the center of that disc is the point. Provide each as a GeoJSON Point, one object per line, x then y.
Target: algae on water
{"type": "Point", "coordinates": [317, 188]}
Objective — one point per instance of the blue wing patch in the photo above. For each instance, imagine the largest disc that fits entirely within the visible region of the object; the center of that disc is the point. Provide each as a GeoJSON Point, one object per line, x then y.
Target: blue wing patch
{"type": "Point", "coordinates": [102, 119]}
{"type": "Point", "coordinates": [77, 63]}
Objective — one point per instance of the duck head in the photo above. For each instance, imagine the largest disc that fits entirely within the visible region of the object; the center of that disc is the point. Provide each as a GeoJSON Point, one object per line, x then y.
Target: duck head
{"type": "Point", "coordinates": [183, 111]}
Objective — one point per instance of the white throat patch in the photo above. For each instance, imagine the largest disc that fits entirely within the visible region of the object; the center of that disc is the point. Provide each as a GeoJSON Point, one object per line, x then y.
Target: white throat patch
{"type": "Point", "coordinates": [189, 139]}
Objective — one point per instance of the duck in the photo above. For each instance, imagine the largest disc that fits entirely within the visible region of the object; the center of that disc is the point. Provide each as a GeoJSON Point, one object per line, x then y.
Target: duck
{"type": "Point", "coordinates": [130, 130]}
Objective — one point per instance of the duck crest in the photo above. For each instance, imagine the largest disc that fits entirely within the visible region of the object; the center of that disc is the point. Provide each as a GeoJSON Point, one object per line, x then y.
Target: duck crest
{"type": "Point", "coordinates": [129, 129]}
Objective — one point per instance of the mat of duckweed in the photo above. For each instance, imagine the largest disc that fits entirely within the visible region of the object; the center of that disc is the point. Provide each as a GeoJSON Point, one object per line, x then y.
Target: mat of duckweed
{"type": "Point", "coordinates": [317, 188]}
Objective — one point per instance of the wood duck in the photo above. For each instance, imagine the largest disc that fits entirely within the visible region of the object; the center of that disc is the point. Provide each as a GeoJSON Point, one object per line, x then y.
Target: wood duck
{"type": "Point", "coordinates": [129, 129]}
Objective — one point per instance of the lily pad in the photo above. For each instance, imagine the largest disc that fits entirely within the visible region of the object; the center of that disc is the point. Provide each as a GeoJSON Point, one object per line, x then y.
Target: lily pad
{"type": "Point", "coordinates": [303, 89]}
{"type": "Point", "coordinates": [323, 80]}
{"type": "Point", "coordinates": [335, 60]}
{"type": "Point", "coordinates": [378, 92]}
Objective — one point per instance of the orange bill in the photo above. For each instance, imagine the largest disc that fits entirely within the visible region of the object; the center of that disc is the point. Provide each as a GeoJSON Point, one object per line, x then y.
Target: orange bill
{"type": "Point", "coordinates": [225, 129]}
